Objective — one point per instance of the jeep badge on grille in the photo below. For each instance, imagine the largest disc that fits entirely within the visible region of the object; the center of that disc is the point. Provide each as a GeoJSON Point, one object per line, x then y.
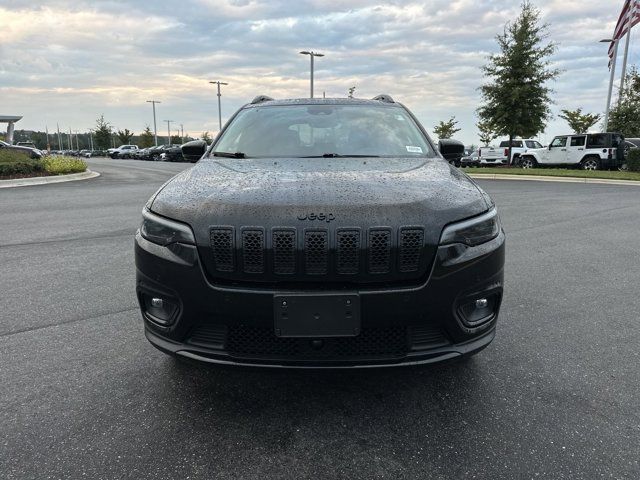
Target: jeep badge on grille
{"type": "Point", "coordinates": [323, 217]}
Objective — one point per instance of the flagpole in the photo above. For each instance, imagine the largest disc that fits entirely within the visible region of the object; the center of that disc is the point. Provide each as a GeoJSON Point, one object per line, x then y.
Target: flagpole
{"type": "Point", "coordinates": [611, 78]}
{"type": "Point", "coordinates": [630, 13]}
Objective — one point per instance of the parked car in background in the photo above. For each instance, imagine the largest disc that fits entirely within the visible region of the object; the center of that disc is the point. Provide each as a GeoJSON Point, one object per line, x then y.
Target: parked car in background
{"type": "Point", "coordinates": [123, 151]}
{"type": "Point", "coordinates": [491, 156]}
{"type": "Point", "coordinates": [32, 152]}
{"type": "Point", "coordinates": [518, 147]}
{"type": "Point", "coordinates": [173, 153]}
{"type": "Point", "coordinates": [594, 151]}
{"type": "Point", "coordinates": [471, 159]}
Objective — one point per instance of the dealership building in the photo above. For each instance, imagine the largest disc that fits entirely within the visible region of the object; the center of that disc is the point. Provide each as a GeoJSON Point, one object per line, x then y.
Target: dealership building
{"type": "Point", "coordinates": [10, 120]}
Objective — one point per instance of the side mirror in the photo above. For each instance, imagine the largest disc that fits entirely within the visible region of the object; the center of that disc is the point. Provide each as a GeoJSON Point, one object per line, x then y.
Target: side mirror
{"type": "Point", "coordinates": [194, 150]}
{"type": "Point", "coordinates": [451, 149]}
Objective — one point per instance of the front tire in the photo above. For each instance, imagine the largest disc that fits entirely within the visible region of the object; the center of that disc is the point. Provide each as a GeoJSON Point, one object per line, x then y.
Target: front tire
{"type": "Point", "coordinates": [528, 162]}
{"type": "Point", "coordinates": [590, 163]}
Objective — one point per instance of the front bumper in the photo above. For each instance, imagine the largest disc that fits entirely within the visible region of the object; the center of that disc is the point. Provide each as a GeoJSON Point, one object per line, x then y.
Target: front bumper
{"type": "Point", "coordinates": [413, 325]}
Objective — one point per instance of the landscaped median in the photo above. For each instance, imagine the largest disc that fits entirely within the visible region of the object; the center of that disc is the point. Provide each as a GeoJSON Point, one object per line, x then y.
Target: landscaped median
{"type": "Point", "coordinates": [563, 173]}
{"type": "Point", "coordinates": [18, 169]}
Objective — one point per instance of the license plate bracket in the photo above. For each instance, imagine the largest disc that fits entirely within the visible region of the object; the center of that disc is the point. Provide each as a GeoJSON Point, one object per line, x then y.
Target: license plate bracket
{"type": "Point", "coordinates": [318, 315]}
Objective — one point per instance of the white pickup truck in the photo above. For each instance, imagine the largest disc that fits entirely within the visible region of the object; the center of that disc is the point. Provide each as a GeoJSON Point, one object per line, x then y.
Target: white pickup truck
{"type": "Point", "coordinates": [500, 154]}
{"type": "Point", "coordinates": [592, 151]}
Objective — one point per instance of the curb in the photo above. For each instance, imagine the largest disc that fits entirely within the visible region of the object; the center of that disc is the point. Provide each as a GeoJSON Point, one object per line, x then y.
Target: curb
{"type": "Point", "coordinates": [25, 182]}
{"type": "Point", "coordinates": [539, 178]}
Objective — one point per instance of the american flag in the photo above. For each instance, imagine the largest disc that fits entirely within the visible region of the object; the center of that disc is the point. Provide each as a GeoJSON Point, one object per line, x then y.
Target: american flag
{"type": "Point", "coordinates": [629, 17]}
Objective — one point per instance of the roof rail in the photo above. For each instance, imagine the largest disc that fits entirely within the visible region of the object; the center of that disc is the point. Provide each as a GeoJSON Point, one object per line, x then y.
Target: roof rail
{"type": "Point", "coordinates": [260, 99]}
{"type": "Point", "coordinates": [384, 98]}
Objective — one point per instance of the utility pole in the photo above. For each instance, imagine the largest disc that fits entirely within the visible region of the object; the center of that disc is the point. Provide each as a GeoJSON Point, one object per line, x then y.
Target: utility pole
{"type": "Point", "coordinates": [60, 147]}
{"type": "Point", "coordinates": [312, 55]}
{"type": "Point", "coordinates": [70, 140]}
{"type": "Point", "coordinates": [155, 128]}
{"type": "Point", "coordinates": [169, 129]}
{"type": "Point", "coordinates": [48, 144]}
{"type": "Point", "coordinates": [182, 133]}
{"type": "Point", "coordinates": [91, 139]}
{"type": "Point", "coordinates": [219, 108]}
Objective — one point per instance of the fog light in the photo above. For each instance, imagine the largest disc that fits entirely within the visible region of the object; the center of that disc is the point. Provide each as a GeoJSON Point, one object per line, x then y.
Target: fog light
{"type": "Point", "coordinates": [158, 310]}
{"type": "Point", "coordinates": [474, 313]}
{"type": "Point", "coordinates": [480, 303]}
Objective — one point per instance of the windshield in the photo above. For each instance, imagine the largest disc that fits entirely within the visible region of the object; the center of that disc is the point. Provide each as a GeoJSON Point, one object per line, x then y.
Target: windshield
{"type": "Point", "coordinates": [329, 130]}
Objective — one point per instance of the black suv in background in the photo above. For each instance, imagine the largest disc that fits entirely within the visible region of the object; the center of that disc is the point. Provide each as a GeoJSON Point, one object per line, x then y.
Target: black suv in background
{"type": "Point", "coordinates": [320, 233]}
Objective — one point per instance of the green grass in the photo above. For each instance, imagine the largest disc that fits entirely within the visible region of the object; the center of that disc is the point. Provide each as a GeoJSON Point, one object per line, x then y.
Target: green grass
{"type": "Point", "coordinates": [556, 172]}
{"type": "Point", "coordinates": [63, 165]}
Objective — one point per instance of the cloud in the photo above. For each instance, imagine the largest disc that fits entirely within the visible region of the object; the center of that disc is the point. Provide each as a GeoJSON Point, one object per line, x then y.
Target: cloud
{"type": "Point", "coordinates": [69, 62]}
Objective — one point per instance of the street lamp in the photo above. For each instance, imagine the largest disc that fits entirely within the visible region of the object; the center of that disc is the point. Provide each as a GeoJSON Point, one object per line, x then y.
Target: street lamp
{"type": "Point", "coordinates": [169, 129]}
{"type": "Point", "coordinates": [613, 72]}
{"type": "Point", "coordinates": [182, 133]}
{"type": "Point", "coordinates": [155, 129]}
{"type": "Point", "coordinates": [219, 95]}
{"type": "Point", "coordinates": [312, 55]}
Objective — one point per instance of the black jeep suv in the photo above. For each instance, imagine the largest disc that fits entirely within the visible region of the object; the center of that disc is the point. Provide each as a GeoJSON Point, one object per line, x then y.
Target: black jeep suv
{"type": "Point", "coordinates": [320, 233]}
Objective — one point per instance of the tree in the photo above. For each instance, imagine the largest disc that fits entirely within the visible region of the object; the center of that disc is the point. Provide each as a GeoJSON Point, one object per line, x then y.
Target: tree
{"type": "Point", "coordinates": [516, 98]}
{"type": "Point", "coordinates": [124, 136]}
{"type": "Point", "coordinates": [624, 117]}
{"type": "Point", "coordinates": [486, 132]}
{"type": "Point", "coordinates": [351, 91]}
{"type": "Point", "coordinates": [146, 138]}
{"type": "Point", "coordinates": [102, 134]}
{"type": "Point", "coordinates": [579, 122]}
{"type": "Point", "coordinates": [206, 137]}
{"type": "Point", "coordinates": [446, 129]}
{"type": "Point", "coordinates": [175, 140]}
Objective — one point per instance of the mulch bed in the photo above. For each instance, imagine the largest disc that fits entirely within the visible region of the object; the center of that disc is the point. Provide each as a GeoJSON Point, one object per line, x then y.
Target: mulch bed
{"type": "Point", "coordinates": [25, 175]}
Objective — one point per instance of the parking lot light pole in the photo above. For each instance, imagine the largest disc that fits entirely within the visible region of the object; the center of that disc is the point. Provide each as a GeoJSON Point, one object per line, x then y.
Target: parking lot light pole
{"type": "Point", "coordinates": [312, 55]}
{"type": "Point", "coordinates": [91, 139]}
{"type": "Point", "coordinates": [155, 128]}
{"type": "Point", "coordinates": [169, 129]}
{"type": "Point", "coordinates": [219, 108]}
{"type": "Point", "coordinates": [613, 72]}
{"type": "Point", "coordinates": [182, 133]}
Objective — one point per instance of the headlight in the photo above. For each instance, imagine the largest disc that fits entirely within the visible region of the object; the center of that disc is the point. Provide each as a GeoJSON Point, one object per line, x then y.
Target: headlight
{"type": "Point", "coordinates": [164, 232]}
{"type": "Point", "coordinates": [474, 231]}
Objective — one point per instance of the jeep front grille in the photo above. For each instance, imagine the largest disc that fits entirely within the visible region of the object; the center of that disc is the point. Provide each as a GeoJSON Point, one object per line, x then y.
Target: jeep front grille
{"type": "Point", "coordinates": [345, 254]}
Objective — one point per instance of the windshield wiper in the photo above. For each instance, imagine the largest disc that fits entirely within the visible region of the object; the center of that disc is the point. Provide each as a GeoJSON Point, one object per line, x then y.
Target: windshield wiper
{"type": "Point", "coordinates": [229, 154]}
{"type": "Point", "coordinates": [336, 155]}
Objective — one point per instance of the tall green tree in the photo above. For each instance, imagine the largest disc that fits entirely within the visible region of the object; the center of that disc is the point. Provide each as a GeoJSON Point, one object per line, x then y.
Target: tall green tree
{"type": "Point", "coordinates": [579, 122]}
{"type": "Point", "coordinates": [624, 117]}
{"type": "Point", "coordinates": [486, 132]}
{"type": "Point", "coordinates": [176, 140]}
{"type": "Point", "coordinates": [124, 136]}
{"type": "Point", "coordinates": [146, 138]}
{"type": "Point", "coordinates": [206, 137]}
{"type": "Point", "coordinates": [516, 97]}
{"type": "Point", "coordinates": [102, 134]}
{"type": "Point", "coordinates": [446, 129]}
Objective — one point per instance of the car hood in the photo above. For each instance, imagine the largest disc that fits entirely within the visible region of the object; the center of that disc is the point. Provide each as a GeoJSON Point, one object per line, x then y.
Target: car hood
{"type": "Point", "coordinates": [356, 192]}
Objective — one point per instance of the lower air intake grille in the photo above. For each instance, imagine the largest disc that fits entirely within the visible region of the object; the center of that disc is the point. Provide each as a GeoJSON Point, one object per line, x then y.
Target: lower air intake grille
{"type": "Point", "coordinates": [260, 341]}
{"type": "Point", "coordinates": [424, 337]}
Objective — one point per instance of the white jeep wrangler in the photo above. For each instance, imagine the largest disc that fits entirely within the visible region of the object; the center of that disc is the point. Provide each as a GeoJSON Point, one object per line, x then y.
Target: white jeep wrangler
{"type": "Point", "coordinates": [593, 151]}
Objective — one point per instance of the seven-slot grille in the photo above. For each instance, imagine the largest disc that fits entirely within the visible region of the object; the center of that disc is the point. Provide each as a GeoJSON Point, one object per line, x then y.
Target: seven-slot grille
{"type": "Point", "coordinates": [349, 253]}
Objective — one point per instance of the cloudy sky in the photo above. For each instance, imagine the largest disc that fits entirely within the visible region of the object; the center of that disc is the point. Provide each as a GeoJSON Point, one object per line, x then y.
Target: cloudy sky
{"type": "Point", "coordinates": [67, 62]}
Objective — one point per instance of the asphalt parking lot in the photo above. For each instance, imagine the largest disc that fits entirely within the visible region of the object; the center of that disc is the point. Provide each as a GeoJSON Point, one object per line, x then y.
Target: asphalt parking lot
{"type": "Point", "coordinates": [83, 394]}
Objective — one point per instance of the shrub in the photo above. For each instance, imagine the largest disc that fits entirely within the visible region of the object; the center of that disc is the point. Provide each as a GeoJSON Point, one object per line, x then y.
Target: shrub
{"type": "Point", "coordinates": [60, 165]}
{"type": "Point", "coordinates": [633, 160]}
{"type": "Point", "coordinates": [18, 163]}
